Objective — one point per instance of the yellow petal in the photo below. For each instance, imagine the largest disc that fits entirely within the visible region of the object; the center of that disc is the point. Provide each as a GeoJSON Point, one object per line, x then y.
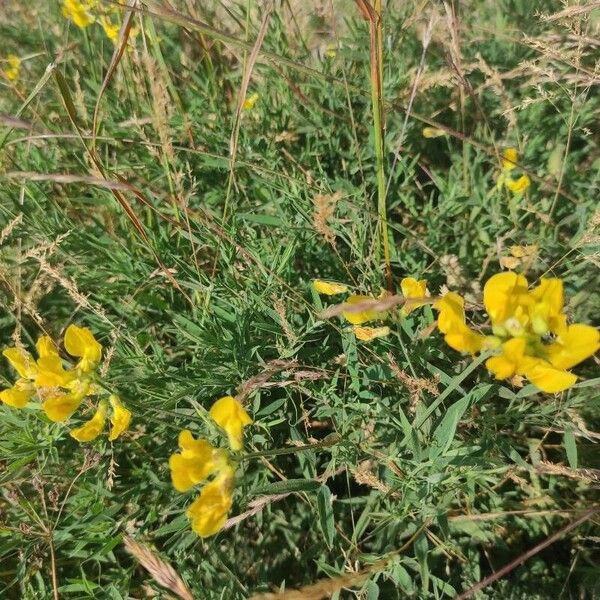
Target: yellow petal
{"type": "Point", "coordinates": [519, 185]}
{"type": "Point", "coordinates": [60, 407]}
{"type": "Point", "coordinates": [51, 373]}
{"type": "Point", "coordinates": [110, 29]}
{"type": "Point", "coordinates": [77, 12]}
{"type": "Point", "coordinates": [14, 67]}
{"type": "Point", "coordinates": [523, 251]}
{"type": "Point", "coordinates": [549, 379]}
{"type": "Point", "coordinates": [413, 289]}
{"type": "Point", "coordinates": [197, 460]}
{"type": "Point", "coordinates": [229, 414]}
{"type": "Point", "coordinates": [366, 334]}
{"type": "Point", "coordinates": [120, 418]}
{"type": "Point", "coordinates": [548, 304]}
{"type": "Point", "coordinates": [80, 342]}
{"type": "Point", "coordinates": [360, 317]}
{"type": "Point", "coordinates": [451, 322]}
{"type": "Point", "coordinates": [209, 511]}
{"type": "Point", "coordinates": [506, 364]}
{"type": "Point", "coordinates": [505, 296]}
{"type": "Point", "coordinates": [329, 288]}
{"type": "Point", "coordinates": [574, 346]}
{"type": "Point", "coordinates": [21, 361]}
{"type": "Point", "coordinates": [509, 158]}
{"type": "Point", "coordinates": [249, 102]}
{"type": "Point", "coordinates": [433, 132]}
{"type": "Point", "coordinates": [19, 394]}
{"type": "Point", "coordinates": [93, 428]}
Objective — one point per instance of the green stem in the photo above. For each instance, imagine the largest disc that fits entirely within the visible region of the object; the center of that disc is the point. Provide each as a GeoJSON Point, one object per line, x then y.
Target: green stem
{"type": "Point", "coordinates": [331, 440]}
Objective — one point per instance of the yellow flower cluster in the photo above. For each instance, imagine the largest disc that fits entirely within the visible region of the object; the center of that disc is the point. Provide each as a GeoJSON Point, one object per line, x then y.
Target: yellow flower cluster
{"type": "Point", "coordinates": [13, 70]}
{"type": "Point", "coordinates": [414, 291]}
{"type": "Point", "coordinates": [85, 12]}
{"type": "Point", "coordinates": [199, 460]}
{"type": "Point", "coordinates": [61, 391]}
{"type": "Point", "coordinates": [517, 185]}
{"type": "Point", "coordinates": [529, 331]}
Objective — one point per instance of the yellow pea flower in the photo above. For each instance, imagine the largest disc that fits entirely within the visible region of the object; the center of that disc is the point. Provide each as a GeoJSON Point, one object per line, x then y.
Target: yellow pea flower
{"type": "Point", "coordinates": [329, 288]}
{"type": "Point", "coordinates": [93, 428]}
{"type": "Point", "coordinates": [228, 413]}
{"type": "Point", "coordinates": [452, 323]}
{"type": "Point", "coordinates": [250, 101]}
{"type": "Point", "coordinates": [79, 12]}
{"type": "Point", "coordinates": [209, 511]}
{"type": "Point", "coordinates": [509, 159]}
{"type": "Point", "coordinates": [413, 289]}
{"type": "Point", "coordinates": [110, 29]}
{"type": "Point", "coordinates": [360, 317]}
{"type": "Point", "coordinates": [14, 67]}
{"type": "Point", "coordinates": [545, 376]}
{"type": "Point", "coordinates": [59, 407]}
{"type": "Point", "coordinates": [196, 461]}
{"type": "Point", "coordinates": [22, 362]}
{"type": "Point", "coordinates": [577, 343]}
{"type": "Point", "coordinates": [546, 309]}
{"type": "Point", "coordinates": [519, 185]}
{"type": "Point", "coordinates": [119, 419]}
{"type": "Point", "coordinates": [19, 394]}
{"type": "Point", "coordinates": [80, 342]}
{"type": "Point", "coordinates": [507, 301]}
{"type": "Point", "coordinates": [50, 370]}
{"type": "Point", "coordinates": [367, 334]}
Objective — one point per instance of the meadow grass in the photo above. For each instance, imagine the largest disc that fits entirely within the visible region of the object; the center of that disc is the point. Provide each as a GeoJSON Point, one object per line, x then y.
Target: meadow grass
{"type": "Point", "coordinates": [139, 198]}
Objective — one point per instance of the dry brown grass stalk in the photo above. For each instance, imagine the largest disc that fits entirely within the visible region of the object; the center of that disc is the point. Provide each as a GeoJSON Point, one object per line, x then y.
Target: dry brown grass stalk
{"type": "Point", "coordinates": [162, 572]}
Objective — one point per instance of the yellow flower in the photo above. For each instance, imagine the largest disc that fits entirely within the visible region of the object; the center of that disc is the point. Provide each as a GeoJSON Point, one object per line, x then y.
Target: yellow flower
{"type": "Point", "coordinates": [93, 428]}
{"type": "Point", "coordinates": [50, 370]}
{"type": "Point", "coordinates": [413, 289]}
{"type": "Point", "coordinates": [229, 414]}
{"type": "Point", "coordinates": [110, 29]}
{"type": "Point", "coordinates": [80, 342]}
{"type": "Point", "coordinates": [546, 310]}
{"type": "Point", "coordinates": [577, 343]}
{"type": "Point", "coordinates": [14, 67]}
{"type": "Point", "coordinates": [79, 12]}
{"type": "Point", "coordinates": [507, 300]}
{"type": "Point", "coordinates": [119, 419]}
{"type": "Point", "coordinates": [509, 159]}
{"type": "Point", "coordinates": [197, 460]}
{"type": "Point", "coordinates": [209, 511]}
{"type": "Point", "coordinates": [22, 362]}
{"type": "Point", "coordinates": [433, 132]}
{"type": "Point", "coordinates": [249, 102]}
{"type": "Point", "coordinates": [19, 394]}
{"type": "Point", "coordinates": [519, 185]}
{"type": "Point", "coordinates": [360, 317]}
{"type": "Point", "coordinates": [59, 407]}
{"type": "Point", "coordinates": [329, 288]}
{"type": "Point", "coordinates": [451, 322]}
{"type": "Point", "coordinates": [367, 334]}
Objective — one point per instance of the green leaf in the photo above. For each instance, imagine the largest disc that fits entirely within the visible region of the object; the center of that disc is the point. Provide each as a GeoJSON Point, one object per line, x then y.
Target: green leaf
{"type": "Point", "coordinates": [570, 448]}
{"type": "Point", "coordinates": [288, 486]}
{"type": "Point", "coordinates": [446, 430]}
{"type": "Point", "coordinates": [326, 520]}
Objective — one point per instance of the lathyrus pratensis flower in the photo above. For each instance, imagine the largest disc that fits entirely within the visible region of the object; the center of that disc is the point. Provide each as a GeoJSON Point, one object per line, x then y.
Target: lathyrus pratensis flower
{"type": "Point", "coordinates": [359, 309]}
{"type": "Point", "coordinates": [84, 13]}
{"type": "Point", "coordinates": [13, 68]}
{"type": "Point", "coordinates": [518, 183]}
{"type": "Point", "coordinates": [61, 390]}
{"type": "Point", "coordinates": [529, 331]}
{"type": "Point", "coordinates": [199, 462]}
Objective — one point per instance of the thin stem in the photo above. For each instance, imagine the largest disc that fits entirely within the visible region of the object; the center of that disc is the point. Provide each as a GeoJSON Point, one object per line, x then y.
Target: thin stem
{"type": "Point", "coordinates": [331, 440]}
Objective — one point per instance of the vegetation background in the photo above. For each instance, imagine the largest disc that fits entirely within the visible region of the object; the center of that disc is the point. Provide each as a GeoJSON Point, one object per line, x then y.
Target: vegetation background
{"type": "Point", "coordinates": [195, 275]}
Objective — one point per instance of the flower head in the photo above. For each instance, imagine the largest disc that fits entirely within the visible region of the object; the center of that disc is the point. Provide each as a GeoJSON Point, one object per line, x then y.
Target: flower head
{"type": "Point", "coordinates": [228, 413]}
{"type": "Point", "coordinates": [80, 342]}
{"type": "Point", "coordinates": [119, 419]}
{"type": "Point", "coordinates": [14, 67]}
{"type": "Point", "coordinates": [412, 290]}
{"type": "Point", "coordinates": [91, 429]}
{"type": "Point", "coordinates": [79, 12]}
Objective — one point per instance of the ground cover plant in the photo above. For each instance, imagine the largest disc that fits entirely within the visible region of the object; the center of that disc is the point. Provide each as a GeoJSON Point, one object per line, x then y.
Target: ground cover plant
{"type": "Point", "coordinates": [299, 300]}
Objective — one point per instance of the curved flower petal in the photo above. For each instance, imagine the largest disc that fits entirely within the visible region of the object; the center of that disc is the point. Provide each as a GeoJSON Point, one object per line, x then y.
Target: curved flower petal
{"type": "Point", "coordinates": [21, 361]}
{"type": "Point", "coordinates": [413, 289]}
{"type": "Point", "coordinates": [51, 372]}
{"type": "Point", "coordinates": [507, 363]}
{"type": "Point", "coordinates": [329, 288]}
{"type": "Point", "coordinates": [546, 311]}
{"type": "Point", "coordinates": [451, 322]}
{"type": "Point", "coordinates": [209, 511]}
{"type": "Point", "coordinates": [574, 346]}
{"type": "Point", "coordinates": [228, 413]}
{"type": "Point", "coordinates": [80, 342]}
{"type": "Point", "coordinates": [509, 159]}
{"type": "Point", "coordinates": [60, 407]}
{"type": "Point", "coordinates": [93, 428]}
{"type": "Point", "coordinates": [197, 460]}
{"type": "Point", "coordinates": [19, 394]}
{"type": "Point", "coordinates": [519, 185]}
{"type": "Point", "coordinates": [76, 11]}
{"type": "Point", "coordinates": [360, 317]}
{"type": "Point", "coordinates": [120, 418]}
{"type": "Point", "coordinates": [546, 377]}
{"type": "Point", "coordinates": [506, 298]}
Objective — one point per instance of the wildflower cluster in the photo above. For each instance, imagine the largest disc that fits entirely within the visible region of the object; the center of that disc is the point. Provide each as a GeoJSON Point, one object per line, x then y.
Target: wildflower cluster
{"type": "Point", "coordinates": [529, 331]}
{"type": "Point", "coordinates": [199, 460]}
{"type": "Point", "coordinates": [86, 12]}
{"type": "Point", "coordinates": [360, 309]}
{"type": "Point", "coordinates": [13, 68]}
{"type": "Point", "coordinates": [61, 390]}
{"type": "Point", "coordinates": [511, 180]}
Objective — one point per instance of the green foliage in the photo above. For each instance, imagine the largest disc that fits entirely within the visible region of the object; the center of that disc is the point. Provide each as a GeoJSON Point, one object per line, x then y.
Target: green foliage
{"type": "Point", "coordinates": [447, 487]}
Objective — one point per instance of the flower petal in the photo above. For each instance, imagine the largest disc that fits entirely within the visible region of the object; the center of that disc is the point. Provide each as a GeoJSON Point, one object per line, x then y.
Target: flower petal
{"type": "Point", "coordinates": [21, 361]}
{"type": "Point", "coordinates": [80, 342]}
{"type": "Point", "coordinates": [120, 418]}
{"type": "Point", "coordinates": [574, 346]}
{"type": "Point", "coordinates": [367, 334]}
{"type": "Point", "coordinates": [93, 428]}
{"type": "Point", "coordinates": [519, 185]}
{"type": "Point", "coordinates": [507, 363]}
{"type": "Point", "coordinates": [19, 394]}
{"type": "Point", "coordinates": [228, 413]}
{"type": "Point", "coordinates": [451, 322]}
{"type": "Point", "coordinates": [505, 297]}
{"type": "Point", "coordinates": [546, 311]}
{"type": "Point", "coordinates": [329, 288]}
{"type": "Point", "coordinates": [543, 375]}
{"type": "Point", "coordinates": [77, 12]}
{"type": "Point", "coordinates": [60, 407]}
{"type": "Point", "coordinates": [360, 317]}
{"type": "Point", "coordinates": [509, 159]}
{"type": "Point", "coordinates": [413, 289]}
